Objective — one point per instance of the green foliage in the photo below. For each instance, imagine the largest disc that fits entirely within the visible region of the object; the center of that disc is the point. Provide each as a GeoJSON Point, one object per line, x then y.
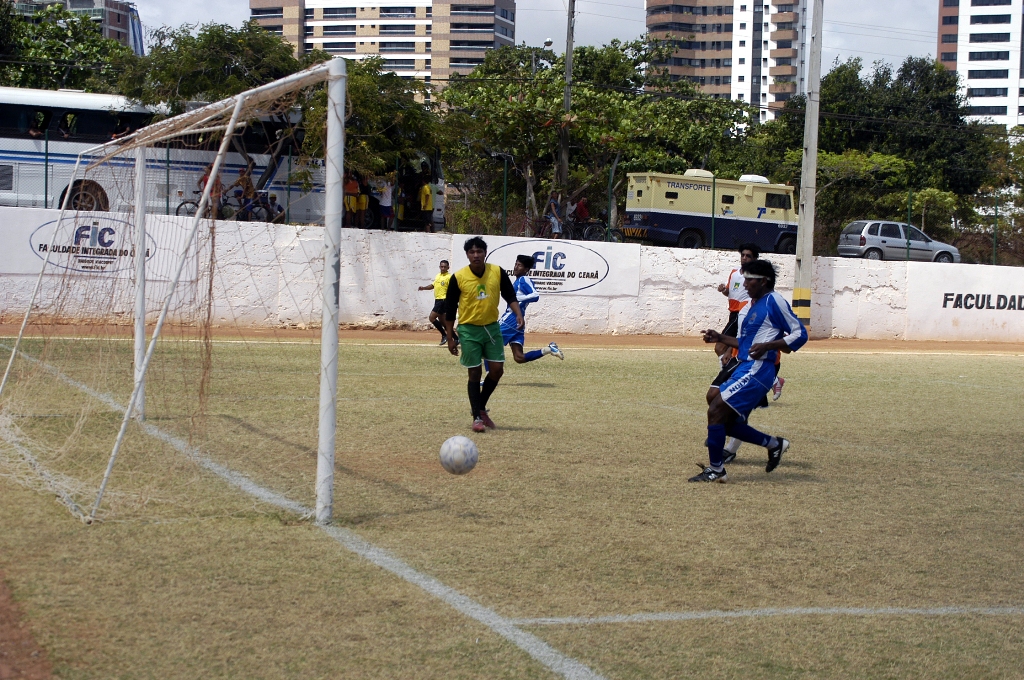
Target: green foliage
{"type": "Point", "coordinates": [58, 49]}
{"type": "Point", "coordinates": [386, 123]}
{"type": "Point", "coordinates": [623, 107]}
{"type": "Point", "coordinates": [214, 62]}
{"type": "Point", "coordinates": [914, 113]}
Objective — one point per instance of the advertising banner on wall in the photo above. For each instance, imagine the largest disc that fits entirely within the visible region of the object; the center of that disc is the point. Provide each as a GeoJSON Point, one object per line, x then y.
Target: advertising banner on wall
{"type": "Point", "coordinates": [588, 268]}
{"type": "Point", "coordinates": [964, 302]}
{"type": "Point", "coordinates": [93, 243]}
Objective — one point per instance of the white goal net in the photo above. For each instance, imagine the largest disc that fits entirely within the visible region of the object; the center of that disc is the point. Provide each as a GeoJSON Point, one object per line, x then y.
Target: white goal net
{"type": "Point", "coordinates": [150, 342]}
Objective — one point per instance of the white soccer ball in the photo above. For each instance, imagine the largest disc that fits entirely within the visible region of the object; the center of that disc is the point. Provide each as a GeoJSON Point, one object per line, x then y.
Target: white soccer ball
{"type": "Point", "coordinates": [459, 455]}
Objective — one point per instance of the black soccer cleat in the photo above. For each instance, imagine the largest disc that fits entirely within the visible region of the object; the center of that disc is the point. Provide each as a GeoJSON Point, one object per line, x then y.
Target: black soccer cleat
{"type": "Point", "coordinates": [708, 474]}
{"type": "Point", "coordinates": [728, 457]}
{"type": "Point", "coordinates": [775, 454]}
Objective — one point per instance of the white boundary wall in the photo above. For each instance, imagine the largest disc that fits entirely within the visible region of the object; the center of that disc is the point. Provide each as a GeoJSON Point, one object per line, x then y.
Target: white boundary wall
{"type": "Point", "coordinates": [268, 275]}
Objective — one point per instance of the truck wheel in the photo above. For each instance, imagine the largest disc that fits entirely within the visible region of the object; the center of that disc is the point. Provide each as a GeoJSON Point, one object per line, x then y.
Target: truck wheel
{"type": "Point", "coordinates": [787, 246]}
{"type": "Point", "coordinates": [691, 238]}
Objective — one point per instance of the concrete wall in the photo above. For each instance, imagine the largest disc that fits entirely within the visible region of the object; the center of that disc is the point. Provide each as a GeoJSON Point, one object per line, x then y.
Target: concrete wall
{"type": "Point", "coordinates": [271, 275]}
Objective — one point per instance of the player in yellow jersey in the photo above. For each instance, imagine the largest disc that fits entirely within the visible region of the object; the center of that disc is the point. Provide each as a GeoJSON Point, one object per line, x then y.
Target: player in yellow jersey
{"type": "Point", "coordinates": [440, 288]}
{"type": "Point", "coordinates": [473, 294]}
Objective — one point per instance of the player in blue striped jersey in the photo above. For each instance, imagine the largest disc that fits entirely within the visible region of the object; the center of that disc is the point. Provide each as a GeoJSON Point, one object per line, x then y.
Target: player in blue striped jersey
{"type": "Point", "coordinates": [766, 326]}
{"type": "Point", "coordinates": [526, 293]}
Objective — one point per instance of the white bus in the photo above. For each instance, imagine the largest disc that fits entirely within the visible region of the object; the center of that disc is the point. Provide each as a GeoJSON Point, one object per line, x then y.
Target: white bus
{"type": "Point", "coordinates": [42, 133]}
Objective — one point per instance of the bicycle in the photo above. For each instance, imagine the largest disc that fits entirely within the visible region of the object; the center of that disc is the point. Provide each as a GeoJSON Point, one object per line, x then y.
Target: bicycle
{"type": "Point", "coordinates": [599, 231]}
{"type": "Point", "coordinates": [189, 208]}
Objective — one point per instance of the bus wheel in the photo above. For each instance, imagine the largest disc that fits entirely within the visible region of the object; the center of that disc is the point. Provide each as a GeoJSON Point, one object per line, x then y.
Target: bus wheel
{"type": "Point", "coordinates": [691, 238]}
{"type": "Point", "coordinates": [87, 196]}
{"type": "Point", "coordinates": [787, 246]}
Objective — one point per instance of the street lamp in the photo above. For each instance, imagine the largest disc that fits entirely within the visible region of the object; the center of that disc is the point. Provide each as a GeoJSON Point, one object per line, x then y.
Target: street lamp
{"type": "Point", "coordinates": [548, 42]}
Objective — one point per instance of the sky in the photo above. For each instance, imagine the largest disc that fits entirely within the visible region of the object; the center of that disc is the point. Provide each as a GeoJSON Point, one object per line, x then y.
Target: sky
{"type": "Point", "coordinates": [870, 29]}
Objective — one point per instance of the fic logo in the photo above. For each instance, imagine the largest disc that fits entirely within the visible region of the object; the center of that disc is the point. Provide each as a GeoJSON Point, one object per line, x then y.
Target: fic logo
{"type": "Point", "coordinates": [95, 236]}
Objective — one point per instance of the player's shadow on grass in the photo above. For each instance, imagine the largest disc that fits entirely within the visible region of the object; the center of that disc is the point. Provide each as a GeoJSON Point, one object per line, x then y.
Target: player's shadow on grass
{"type": "Point", "coordinates": [532, 384]}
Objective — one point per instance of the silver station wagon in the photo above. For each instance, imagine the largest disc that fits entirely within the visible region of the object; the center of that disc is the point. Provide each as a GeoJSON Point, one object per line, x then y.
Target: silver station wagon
{"type": "Point", "coordinates": [878, 240]}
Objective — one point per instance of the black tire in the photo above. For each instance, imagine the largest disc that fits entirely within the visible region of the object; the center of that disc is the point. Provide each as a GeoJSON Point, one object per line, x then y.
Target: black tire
{"type": "Point", "coordinates": [616, 236]}
{"type": "Point", "coordinates": [594, 232]}
{"type": "Point", "coordinates": [691, 238]}
{"type": "Point", "coordinates": [944, 258]}
{"type": "Point", "coordinates": [873, 254]}
{"type": "Point", "coordinates": [86, 196]}
{"type": "Point", "coordinates": [187, 209]}
{"type": "Point", "coordinates": [787, 246]}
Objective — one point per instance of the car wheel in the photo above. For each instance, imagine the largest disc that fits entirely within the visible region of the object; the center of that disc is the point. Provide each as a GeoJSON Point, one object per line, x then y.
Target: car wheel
{"type": "Point", "coordinates": [787, 246]}
{"type": "Point", "coordinates": [873, 254]}
{"type": "Point", "coordinates": [691, 239]}
{"type": "Point", "coordinates": [944, 257]}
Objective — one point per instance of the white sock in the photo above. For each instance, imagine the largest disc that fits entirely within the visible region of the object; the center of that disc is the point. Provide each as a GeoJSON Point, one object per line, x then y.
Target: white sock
{"type": "Point", "coordinates": [732, 445]}
{"type": "Point", "coordinates": [772, 442]}
{"type": "Point", "coordinates": [545, 351]}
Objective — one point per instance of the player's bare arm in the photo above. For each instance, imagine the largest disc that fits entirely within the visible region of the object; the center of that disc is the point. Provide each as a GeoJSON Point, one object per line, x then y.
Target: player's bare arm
{"type": "Point", "coordinates": [711, 335]}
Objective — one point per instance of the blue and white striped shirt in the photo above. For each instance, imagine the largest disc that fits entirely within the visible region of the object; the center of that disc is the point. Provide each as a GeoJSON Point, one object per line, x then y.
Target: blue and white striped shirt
{"type": "Point", "coordinates": [525, 294]}
{"type": "Point", "coordinates": [766, 320]}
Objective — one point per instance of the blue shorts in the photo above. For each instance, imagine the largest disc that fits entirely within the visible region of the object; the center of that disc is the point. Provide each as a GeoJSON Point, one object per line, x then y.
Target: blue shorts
{"type": "Point", "coordinates": [513, 334]}
{"type": "Point", "coordinates": [746, 387]}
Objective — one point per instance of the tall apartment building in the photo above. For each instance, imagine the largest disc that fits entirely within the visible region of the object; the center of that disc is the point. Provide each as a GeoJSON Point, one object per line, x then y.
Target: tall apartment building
{"type": "Point", "coordinates": [981, 41]}
{"type": "Point", "coordinates": [115, 19]}
{"type": "Point", "coordinates": [748, 50]}
{"type": "Point", "coordinates": [424, 39]}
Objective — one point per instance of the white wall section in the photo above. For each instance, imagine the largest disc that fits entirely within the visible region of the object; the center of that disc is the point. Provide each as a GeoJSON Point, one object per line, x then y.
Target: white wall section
{"type": "Point", "coordinates": [268, 276]}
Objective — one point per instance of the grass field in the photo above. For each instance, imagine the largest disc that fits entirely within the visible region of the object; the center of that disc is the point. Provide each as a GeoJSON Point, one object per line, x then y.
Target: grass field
{"type": "Point", "coordinates": [901, 493]}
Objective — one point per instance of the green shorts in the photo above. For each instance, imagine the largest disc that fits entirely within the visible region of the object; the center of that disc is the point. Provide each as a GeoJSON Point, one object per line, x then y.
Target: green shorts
{"type": "Point", "coordinates": [479, 343]}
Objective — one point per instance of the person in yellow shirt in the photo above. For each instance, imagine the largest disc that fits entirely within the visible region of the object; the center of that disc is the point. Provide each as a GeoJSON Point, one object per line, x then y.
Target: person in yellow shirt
{"type": "Point", "coordinates": [426, 197]}
{"type": "Point", "coordinates": [440, 288]}
{"type": "Point", "coordinates": [473, 294]}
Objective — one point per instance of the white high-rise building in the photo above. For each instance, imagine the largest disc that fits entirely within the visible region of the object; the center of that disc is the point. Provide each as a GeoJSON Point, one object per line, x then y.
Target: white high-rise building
{"type": "Point", "coordinates": [424, 39]}
{"type": "Point", "coordinates": [750, 50]}
{"type": "Point", "coordinates": [981, 41]}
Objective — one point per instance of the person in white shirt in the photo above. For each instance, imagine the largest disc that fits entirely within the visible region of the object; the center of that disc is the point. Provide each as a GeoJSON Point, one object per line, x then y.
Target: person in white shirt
{"type": "Point", "coordinates": [387, 189]}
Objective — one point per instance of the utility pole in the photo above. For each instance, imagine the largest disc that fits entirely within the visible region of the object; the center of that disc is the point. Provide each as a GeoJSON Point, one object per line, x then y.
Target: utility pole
{"type": "Point", "coordinates": [567, 101]}
{"type": "Point", "coordinates": [809, 176]}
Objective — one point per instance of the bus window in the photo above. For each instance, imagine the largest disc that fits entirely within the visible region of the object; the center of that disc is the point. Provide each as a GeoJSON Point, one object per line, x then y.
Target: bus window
{"type": "Point", "coordinates": [672, 194]}
{"type": "Point", "coordinates": [6, 178]}
{"type": "Point", "coordinates": [726, 198]}
{"type": "Point", "coordinates": [122, 127]}
{"type": "Point", "coordinates": [34, 122]}
{"type": "Point", "coordinates": [781, 201]}
{"type": "Point", "coordinates": [95, 125]}
{"type": "Point", "coordinates": [68, 125]}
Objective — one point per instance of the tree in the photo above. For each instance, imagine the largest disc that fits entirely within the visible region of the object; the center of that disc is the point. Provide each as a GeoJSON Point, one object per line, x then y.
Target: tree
{"type": "Point", "coordinates": [59, 49]}
{"type": "Point", "coordinates": [385, 122]}
{"type": "Point", "coordinates": [625, 108]}
{"type": "Point", "coordinates": [206, 64]}
{"type": "Point", "coordinates": [915, 113]}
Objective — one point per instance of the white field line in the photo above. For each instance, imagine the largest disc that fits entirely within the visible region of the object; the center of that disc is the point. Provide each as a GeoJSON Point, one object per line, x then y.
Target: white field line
{"type": "Point", "coordinates": [769, 612]}
{"type": "Point", "coordinates": [541, 651]}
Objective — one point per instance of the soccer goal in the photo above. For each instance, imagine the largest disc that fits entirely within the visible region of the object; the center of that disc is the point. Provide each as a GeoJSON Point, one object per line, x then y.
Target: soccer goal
{"type": "Point", "coordinates": [150, 342]}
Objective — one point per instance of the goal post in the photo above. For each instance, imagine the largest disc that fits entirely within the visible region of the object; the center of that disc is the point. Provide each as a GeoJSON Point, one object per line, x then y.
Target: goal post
{"type": "Point", "coordinates": [334, 212]}
{"type": "Point", "coordinates": [82, 341]}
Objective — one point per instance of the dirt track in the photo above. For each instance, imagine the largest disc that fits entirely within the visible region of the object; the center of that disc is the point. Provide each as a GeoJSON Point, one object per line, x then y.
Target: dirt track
{"type": "Point", "coordinates": [539, 339]}
{"type": "Point", "coordinates": [20, 656]}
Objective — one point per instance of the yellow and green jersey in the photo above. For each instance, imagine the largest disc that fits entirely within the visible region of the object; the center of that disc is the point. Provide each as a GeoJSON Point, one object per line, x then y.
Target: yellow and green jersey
{"type": "Point", "coordinates": [477, 301]}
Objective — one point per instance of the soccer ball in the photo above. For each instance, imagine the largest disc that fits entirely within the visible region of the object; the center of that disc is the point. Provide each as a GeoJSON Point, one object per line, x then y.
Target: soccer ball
{"type": "Point", "coordinates": [459, 455]}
